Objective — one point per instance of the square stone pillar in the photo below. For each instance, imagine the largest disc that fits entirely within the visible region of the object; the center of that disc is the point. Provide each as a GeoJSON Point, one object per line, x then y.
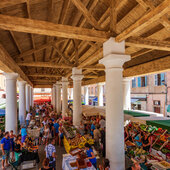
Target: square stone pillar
{"type": "Point", "coordinates": [114, 58]}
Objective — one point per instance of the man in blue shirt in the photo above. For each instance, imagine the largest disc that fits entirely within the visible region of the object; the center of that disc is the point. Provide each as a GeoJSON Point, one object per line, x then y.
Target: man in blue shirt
{"type": "Point", "coordinates": [5, 147]}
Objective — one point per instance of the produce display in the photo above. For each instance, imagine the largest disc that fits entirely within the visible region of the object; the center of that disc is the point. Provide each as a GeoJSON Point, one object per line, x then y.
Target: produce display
{"type": "Point", "coordinates": [73, 139]}
{"type": "Point", "coordinates": [159, 152]}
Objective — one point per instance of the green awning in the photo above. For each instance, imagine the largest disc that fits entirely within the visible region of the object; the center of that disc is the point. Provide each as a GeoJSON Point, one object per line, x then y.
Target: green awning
{"type": "Point", "coordinates": [164, 124]}
{"type": "Point", "coordinates": [135, 114]}
{"type": "Point", "coordinates": [168, 108]}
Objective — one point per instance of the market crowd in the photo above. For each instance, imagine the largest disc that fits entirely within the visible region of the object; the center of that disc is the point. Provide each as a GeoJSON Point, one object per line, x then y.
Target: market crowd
{"type": "Point", "coordinates": [19, 148]}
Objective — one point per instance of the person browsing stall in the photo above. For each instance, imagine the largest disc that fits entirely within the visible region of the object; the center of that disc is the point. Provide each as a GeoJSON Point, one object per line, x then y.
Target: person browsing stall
{"type": "Point", "coordinates": [5, 147]}
{"type": "Point", "coordinates": [51, 153]}
{"type": "Point", "coordinates": [90, 155]}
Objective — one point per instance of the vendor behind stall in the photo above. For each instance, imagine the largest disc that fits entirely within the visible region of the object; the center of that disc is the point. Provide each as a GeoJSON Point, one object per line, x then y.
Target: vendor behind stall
{"type": "Point", "coordinates": [90, 155]}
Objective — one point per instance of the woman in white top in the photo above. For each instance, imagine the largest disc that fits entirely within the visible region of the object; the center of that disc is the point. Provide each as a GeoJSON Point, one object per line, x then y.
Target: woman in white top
{"type": "Point", "coordinates": [46, 134]}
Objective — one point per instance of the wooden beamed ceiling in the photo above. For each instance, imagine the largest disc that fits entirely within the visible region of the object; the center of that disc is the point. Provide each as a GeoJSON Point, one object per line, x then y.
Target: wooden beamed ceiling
{"type": "Point", "coordinates": [47, 38]}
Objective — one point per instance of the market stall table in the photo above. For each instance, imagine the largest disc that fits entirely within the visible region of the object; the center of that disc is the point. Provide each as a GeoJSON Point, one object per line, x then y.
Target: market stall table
{"type": "Point", "coordinates": [67, 159]}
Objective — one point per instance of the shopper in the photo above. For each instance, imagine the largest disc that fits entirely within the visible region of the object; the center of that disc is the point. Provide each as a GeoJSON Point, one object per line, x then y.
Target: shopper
{"type": "Point", "coordinates": [12, 136]}
{"type": "Point", "coordinates": [5, 147]}
{"type": "Point", "coordinates": [105, 166]}
{"type": "Point", "coordinates": [41, 133]}
{"type": "Point", "coordinates": [92, 128]}
{"type": "Point", "coordinates": [81, 128]}
{"type": "Point", "coordinates": [90, 155]}
{"type": "Point", "coordinates": [23, 133]}
{"type": "Point", "coordinates": [51, 153]}
{"type": "Point", "coordinates": [46, 165]}
{"type": "Point", "coordinates": [17, 147]}
{"type": "Point", "coordinates": [61, 135]}
{"type": "Point", "coordinates": [102, 123]}
{"type": "Point", "coordinates": [46, 134]}
{"type": "Point", "coordinates": [97, 136]}
{"type": "Point", "coordinates": [28, 118]}
{"type": "Point", "coordinates": [51, 127]}
{"type": "Point", "coordinates": [103, 142]}
{"type": "Point", "coordinates": [56, 126]}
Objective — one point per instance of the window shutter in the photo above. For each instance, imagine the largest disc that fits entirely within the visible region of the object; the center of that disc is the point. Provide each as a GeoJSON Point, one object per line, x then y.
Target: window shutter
{"type": "Point", "coordinates": [135, 82]}
{"type": "Point", "coordinates": [139, 81]}
{"type": "Point", "coordinates": [156, 79]}
{"type": "Point", "coordinates": [146, 83]}
{"type": "Point", "coordinates": [162, 77]}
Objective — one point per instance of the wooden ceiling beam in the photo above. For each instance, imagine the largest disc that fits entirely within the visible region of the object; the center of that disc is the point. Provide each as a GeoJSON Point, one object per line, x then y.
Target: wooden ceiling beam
{"type": "Point", "coordinates": [47, 28]}
{"type": "Point", "coordinates": [150, 5]}
{"type": "Point", "coordinates": [34, 50]}
{"type": "Point", "coordinates": [43, 64]}
{"type": "Point", "coordinates": [62, 55]}
{"type": "Point", "coordinates": [113, 15]}
{"type": "Point", "coordinates": [44, 75]}
{"type": "Point", "coordinates": [7, 64]}
{"type": "Point", "coordinates": [42, 85]}
{"type": "Point", "coordinates": [144, 21]}
{"type": "Point", "coordinates": [151, 67]}
{"type": "Point", "coordinates": [7, 3]}
{"type": "Point", "coordinates": [87, 14]}
{"type": "Point", "coordinates": [148, 43]}
{"type": "Point", "coordinates": [54, 65]}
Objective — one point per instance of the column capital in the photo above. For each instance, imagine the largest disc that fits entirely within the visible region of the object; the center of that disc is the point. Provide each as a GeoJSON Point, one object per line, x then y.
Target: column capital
{"type": "Point", "coordinates": [58, 83]}
{"type": "Point", "coordinates": [10, 76]}
{"type": "Point", "coordinates": [127, 79]}
{"type": "Point", "coordinates": [22, 83]}
{"type": "Point", "coordinates": [114, 54]}
{"type": "Point", "coordinates": [64, 81]}
{"type": "Point", "coordinates": [77, 74]}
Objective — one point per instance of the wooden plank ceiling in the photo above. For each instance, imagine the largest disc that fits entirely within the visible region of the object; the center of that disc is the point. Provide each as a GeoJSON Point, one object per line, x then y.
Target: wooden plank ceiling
{"type": "Point", "coordinates": [46, 38]}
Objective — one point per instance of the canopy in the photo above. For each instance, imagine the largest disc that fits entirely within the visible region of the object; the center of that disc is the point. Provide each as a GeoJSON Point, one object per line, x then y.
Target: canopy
{"type": "Point", "coordinates": [93, 111]}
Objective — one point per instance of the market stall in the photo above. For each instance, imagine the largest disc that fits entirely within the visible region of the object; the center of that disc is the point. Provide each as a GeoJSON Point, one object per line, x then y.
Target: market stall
{"type": "Point", "coordinates": [73, 139]}
{"type": "Point", "coordinates": [158, 153]}
{"type": "Point", "coordinates": [70, 163]}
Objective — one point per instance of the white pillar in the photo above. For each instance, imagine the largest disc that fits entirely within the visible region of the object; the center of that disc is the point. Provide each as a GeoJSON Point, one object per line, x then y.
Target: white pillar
{"type": "Point", "coordinates": [71, 94]}
{"type": "Point", "coordinates": [100, 95]}
{"type": "Point", "coordinates": [58, 97]}
{"type": "Point", "coordinates": [65, 96]}
{"type": "Point", "coordinates": [30, 96]}
{"type": "Point", "coordinates": [114, 58]}
{"type": "Point", "coordinates": [86, 95]}
{"type": "Point", "coordinates": [11, 122]}
{"type": "Point", "coordinates": [22, 102]}
{"type": "Point", "coordinates": [27, 97]}
{"type": "Point", "coordinates": [126, 93]}
{"type": "Point", "coordinates": [54, 97]}
{"type": "Point", "coordinates": [77, 106]}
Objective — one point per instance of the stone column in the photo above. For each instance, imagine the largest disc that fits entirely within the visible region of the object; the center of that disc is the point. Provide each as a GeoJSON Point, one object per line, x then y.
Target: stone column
{"type": "Point", "coordinates": [58, 97]}
{"type": "Point", "coordinates": [100, 95]}
{"type": "Point", "coordinates": [65, 96]}
{"type": "Point", "coordinates": [27, 97]}
{"type": "Point", "coordinates": [86, 95]}
{"type": "Point", "coordinates": [77, 106]}
{"type": "Point", "coordinates": [11, 122]}
{"type": "Point", "coordinates": [54, 97]}
{"type": "Point", "coordinates": [114, 58]}
{"type": "Point", "coordinates": [126, 93]}
{"type": "Point", "coordinates": [71, 94]}
{"type": "Point", "coordinates": [22, 102]}
{"type": "Point", "coordinates": [30, 96]}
